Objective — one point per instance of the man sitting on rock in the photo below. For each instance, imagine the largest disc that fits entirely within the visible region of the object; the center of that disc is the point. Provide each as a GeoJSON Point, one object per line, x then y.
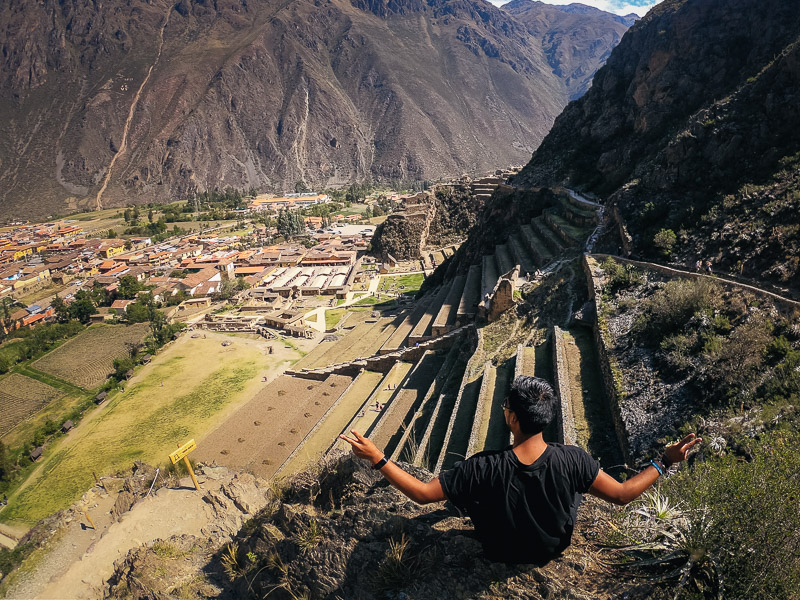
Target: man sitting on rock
{"type": "Point", "coordinates": [523, 500]}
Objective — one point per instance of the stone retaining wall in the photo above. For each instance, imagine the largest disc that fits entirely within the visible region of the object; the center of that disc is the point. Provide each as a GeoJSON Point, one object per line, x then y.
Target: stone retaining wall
{"type": "Point", "coordinates": [473, 436]}
{"type": "Point", "coordinates": [565, 237]}
{"type": "Point", "coordinates": [612, 375]}
{"type": "Point", "coordinates": [564, 418]}
{"type": "Point", "coordinates": [730, 283]}
{"type": "Point", "coordinates": [382, 362]}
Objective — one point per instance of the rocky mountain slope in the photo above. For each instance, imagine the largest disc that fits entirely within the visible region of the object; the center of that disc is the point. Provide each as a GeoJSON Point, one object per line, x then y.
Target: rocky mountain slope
{"type": "Point", "coordinates": [576, 39]}
{"type": "Point", "coordinates": [692, 128]}
{"type": "Point", "coordinates": [345, 533]}
{"type": "Point", "coordinates": [139, 101]}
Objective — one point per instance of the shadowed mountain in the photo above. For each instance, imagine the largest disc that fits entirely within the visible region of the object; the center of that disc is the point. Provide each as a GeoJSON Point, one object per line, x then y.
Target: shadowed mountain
{"type": "Point", "coordinates": [692, 126]}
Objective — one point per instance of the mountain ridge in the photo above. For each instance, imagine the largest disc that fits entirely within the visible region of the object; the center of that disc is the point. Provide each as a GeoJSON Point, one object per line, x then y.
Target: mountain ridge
{"type": "Point", "coordinates": [265, 95]}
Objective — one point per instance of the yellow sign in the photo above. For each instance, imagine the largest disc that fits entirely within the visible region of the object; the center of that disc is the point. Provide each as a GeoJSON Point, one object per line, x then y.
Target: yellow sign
{"type": "Point", "coordinates": [182, 451]}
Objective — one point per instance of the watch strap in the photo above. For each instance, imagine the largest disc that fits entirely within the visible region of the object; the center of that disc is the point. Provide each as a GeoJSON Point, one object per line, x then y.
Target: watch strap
{"type": "Point", "coordinates": [380, 464]}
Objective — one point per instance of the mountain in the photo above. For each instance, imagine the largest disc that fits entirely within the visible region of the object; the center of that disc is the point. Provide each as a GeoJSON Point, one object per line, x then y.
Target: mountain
{"type": "Point", "coordinates": [693, 127]}
{"type": "Point", "coordinates": [131, 101]}
{"type": "Point", "coordinates": [576, 39]}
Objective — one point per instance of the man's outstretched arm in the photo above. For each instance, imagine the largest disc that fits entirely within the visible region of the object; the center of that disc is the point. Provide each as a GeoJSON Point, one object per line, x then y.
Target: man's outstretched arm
{"type": "Point", "coordinates": [418, 491]}
{"type": "Point", "coordinates": [608, 488]}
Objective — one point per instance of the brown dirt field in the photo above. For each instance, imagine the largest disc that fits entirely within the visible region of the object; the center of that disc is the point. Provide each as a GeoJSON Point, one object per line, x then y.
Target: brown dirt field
{"type": "Point", "coordinates": [87, 359]}
{"type": "Point", "coordinates": [20, 397]}
{"type": "Point", "coordinates": [334, 423]}
{"type": "Point", "coordinates": [363, 340]}
{"type": "Point", "coordinates": [414, 389]}
{"type": "Point", "coordinates": [283, 412]}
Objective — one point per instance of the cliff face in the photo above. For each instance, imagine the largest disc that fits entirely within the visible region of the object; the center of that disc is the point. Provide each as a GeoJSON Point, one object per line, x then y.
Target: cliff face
{"type": "Point", "coordinates": [138, 101]}
{"type": "Point", "coordinates": [692, 125]}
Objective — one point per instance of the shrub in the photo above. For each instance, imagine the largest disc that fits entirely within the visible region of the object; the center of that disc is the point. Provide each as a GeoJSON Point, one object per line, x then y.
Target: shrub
{"type": "Point", "coordinates": [754, 527]}
{"type": "Point", "coordinates": [665, 241]}
{"type": "Point", "coordinates": [668, 310]}
{"type": "Point", "coordinates": [618, 276]}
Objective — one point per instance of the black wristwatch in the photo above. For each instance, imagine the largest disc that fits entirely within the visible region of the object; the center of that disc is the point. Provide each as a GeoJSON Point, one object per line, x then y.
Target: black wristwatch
{"type": "Point", "coordinates": [666, 461]}
{"type": "Point", "coordinates": [380, 464]}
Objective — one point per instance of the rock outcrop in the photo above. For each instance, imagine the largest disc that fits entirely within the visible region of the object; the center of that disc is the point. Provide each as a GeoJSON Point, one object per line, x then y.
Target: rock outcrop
{"type": "Point", "coordinates": [345, 533]}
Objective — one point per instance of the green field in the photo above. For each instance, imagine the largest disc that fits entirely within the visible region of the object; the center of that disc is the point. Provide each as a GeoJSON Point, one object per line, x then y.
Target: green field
{"type": "Point", "coordinates": [183, 394]}
{"type": "Point", "coordinates": [332, 317]}
{"type": "Point", "coordinates": [406, 284]}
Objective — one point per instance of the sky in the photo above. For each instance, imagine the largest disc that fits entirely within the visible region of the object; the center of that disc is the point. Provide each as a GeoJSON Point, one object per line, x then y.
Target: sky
{"type": "Point", "coordinates": [619, 7]}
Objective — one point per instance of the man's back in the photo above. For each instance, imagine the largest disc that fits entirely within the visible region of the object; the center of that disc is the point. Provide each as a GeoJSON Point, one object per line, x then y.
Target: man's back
{"type": "Point", "coordinates": [522, 513]}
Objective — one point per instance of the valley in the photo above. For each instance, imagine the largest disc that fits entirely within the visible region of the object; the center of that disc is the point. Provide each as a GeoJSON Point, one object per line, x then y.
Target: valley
{"type": "Point", "coordinates": [644, 261]}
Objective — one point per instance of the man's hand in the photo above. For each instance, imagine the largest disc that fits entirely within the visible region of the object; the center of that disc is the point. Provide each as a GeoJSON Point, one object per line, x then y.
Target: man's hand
{"type": "Point", "coordinates": [608, 488]}
{"type": "Point", "coordinates": [678, 451]}
{"type": "Point", "coordinates": [362, 447]}
{"type": "Point", "coordinates": [412, 487]}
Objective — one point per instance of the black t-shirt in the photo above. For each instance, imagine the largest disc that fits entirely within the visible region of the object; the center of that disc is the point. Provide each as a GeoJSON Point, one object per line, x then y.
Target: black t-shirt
{"type": "Point", "coordinates": [522, 513]}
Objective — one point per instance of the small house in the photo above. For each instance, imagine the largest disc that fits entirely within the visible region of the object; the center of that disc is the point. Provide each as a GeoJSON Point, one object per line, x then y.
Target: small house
{"type": "Point", "coordinates": [146, 359]}
{"type": "Point", "coordinates": [67, 426]}
{"type": "Point", "coordinates": [128, 374]}
{"type": "Point", "coordinates": [101, 397]}
{"type": "Point", "coordinates": [36, 453]}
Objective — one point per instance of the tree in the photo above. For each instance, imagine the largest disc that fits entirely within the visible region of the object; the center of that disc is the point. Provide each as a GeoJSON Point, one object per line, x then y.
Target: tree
{"type": "Point", "coordinates": [82, 308]}
{"type": "Point", "coordinates": [61, 308]}
{"type": "Point", "coordinates": [150, 215]}
{"type": "Point", "coordinates": [6, 467]}
{"type": "Point", "coordinates": [128, 287]}
{"type": "Point", "coordinates": [111, 233]}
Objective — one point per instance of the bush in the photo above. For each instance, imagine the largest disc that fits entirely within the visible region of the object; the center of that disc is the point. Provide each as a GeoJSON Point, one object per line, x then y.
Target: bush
{"type": "Point", "coordinates": [754, 530]}
{"type": "Point", "coordinates": [618, 276]}
{"type": "Point", "coordinates": [668, 310]}
{"type": "Point", "coordinates": [665, 241]}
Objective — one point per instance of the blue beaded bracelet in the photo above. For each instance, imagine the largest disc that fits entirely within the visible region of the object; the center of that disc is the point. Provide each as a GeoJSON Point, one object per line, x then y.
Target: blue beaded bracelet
{"type": "Point", "coordinates": [655, 464]}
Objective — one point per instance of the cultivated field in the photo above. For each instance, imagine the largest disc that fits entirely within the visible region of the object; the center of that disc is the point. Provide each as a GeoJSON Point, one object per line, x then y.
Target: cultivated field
{"type": "Point", "coordinates": [188, 389]}
{"type": "Point", "coordinates": [20, 397]}
{"type": "Point", "coordinates": [264, 432]}
{"type": "Point", "coordinates": [88, 358]}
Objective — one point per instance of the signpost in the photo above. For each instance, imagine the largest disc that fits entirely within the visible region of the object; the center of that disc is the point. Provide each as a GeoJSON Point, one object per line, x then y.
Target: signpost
{"type": "Point", "coordinates": [182, 453]}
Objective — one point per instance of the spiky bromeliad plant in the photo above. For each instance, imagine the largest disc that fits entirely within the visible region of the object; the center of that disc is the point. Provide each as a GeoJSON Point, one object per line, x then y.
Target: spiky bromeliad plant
{"type": "Point", "coordinates": [669, 544]}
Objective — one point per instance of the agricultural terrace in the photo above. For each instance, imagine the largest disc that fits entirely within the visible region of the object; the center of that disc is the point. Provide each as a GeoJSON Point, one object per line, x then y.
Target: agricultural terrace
{"type": "Point", "coordinates": [20, 397]}
{"type": "Point", "coordinates": [361, 334]}
{"type": "Point", "coordinates": [262, 434]}
{"type": "Point", "coordinates": [88, 358]}
{"type": "Point", "coordinates": [188, 389]}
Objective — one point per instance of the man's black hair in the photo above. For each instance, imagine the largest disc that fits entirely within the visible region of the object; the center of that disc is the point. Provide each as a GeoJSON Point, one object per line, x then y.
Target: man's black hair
{"type": "Point", "coordinates": [534, 402]}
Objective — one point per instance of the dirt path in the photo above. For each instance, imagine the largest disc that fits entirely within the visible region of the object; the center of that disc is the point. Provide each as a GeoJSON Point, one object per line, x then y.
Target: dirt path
{"type": "Point", "coordinates": [82, 559]}
{"type": "Point", "coordinates": [124, 144]}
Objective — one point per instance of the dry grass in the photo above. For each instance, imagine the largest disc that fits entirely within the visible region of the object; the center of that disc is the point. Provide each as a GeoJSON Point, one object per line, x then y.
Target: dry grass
{"type": "Point", "coordinates": [202, 382]}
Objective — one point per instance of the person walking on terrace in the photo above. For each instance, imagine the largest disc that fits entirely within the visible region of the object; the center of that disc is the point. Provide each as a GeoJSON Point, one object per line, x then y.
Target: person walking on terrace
{"type": "Point", "coordinates": [523, 500]}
